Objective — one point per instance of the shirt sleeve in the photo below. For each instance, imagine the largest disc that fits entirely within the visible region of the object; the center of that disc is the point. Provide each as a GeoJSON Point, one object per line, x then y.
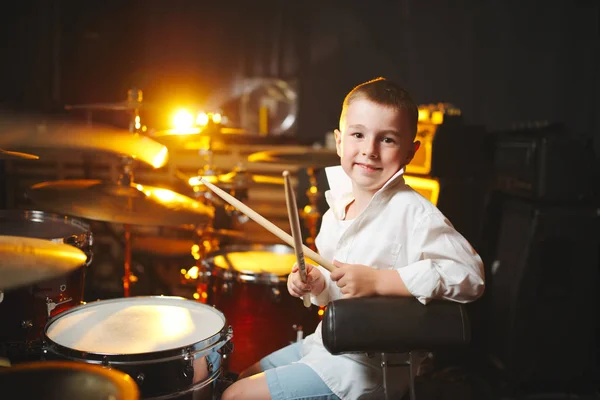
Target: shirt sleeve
{"type": "Point", "coordinates": [445, 265]}
{"type": "Point", "coordinates": [328, 293]}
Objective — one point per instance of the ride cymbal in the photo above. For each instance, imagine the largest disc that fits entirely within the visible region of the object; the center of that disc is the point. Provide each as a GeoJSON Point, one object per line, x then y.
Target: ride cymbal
{"type": "Point", "coordinates": [19, 131]}
{"type": "Point", "coordinates": [25, 261]}
{"type": "Point", "coordinates": [135, 204]}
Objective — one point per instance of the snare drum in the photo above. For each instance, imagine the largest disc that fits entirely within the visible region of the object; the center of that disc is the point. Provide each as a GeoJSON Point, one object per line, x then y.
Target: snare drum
{"type": "Point", "coordinates": [249, 286]}
{"type": "Point", "coordinates": [171, 346]}
{"type": "Point", "coordinates": [25, 311]}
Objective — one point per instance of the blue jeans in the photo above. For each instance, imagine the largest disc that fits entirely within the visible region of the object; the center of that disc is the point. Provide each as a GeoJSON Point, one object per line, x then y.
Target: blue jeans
{"type": "Point", "coordinates": [290, 380]}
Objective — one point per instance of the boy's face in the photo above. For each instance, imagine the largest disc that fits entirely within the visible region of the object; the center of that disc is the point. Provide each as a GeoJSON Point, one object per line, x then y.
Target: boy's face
{"type": "Point", "coordinates": [374, 143]}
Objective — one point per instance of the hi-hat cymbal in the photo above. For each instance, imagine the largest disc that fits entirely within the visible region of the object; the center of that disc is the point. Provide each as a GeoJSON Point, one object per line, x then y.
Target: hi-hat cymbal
{"type": "Point", "coordinates": [18, 131]}
{"type": "Point", "coordinates": [136, 204]}
{"type": "Point", "coordinates": [14, 155]}
{"type": "Point", "coordinates": [26, 260]}
{"type": "Point", "coordinates": [301, 156]}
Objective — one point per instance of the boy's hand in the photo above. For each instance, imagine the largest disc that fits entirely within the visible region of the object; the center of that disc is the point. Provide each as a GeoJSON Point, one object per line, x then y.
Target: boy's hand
{"type": "Point", "coordinates": [315, 283]}
{"type": "Point", "coordinates": [354, 280]}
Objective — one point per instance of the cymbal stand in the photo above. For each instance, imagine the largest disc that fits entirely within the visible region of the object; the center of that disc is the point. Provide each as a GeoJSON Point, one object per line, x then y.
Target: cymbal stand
{"type": "Point", "coordinates": [135, 96]}
{"type": "Point", "coordinates": [311, 214]}
{"type": "Point", "coordinates": [125, 180]}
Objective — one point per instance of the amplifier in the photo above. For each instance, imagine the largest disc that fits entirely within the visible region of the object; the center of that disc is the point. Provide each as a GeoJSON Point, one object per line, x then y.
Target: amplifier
{"type": "Point", "coordinates": [544, 163]}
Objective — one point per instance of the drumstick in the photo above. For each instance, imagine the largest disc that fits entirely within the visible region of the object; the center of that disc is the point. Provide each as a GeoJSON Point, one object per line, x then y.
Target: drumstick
{"type": "Point", "coordinates": [290, 200]}
{"type": "Point", "coordinates": [268, 225]}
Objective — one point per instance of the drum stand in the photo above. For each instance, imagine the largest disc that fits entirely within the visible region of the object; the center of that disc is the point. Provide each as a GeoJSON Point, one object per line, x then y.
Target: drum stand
{"type": "Point", "coordinates": [310, 214]}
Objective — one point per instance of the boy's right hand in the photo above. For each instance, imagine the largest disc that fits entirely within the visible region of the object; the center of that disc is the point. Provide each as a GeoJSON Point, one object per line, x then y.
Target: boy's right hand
{"type": "Point", "coordinates": [315, 283]}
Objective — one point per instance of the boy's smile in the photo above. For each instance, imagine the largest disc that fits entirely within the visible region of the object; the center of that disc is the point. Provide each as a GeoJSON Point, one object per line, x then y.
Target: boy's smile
{"type": "Point", "coordinates": [374, 143]}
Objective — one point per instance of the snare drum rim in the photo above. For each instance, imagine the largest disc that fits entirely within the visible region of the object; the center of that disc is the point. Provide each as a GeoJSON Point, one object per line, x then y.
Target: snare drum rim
{"type": "Point", "coordinates": [195, 350]}
{"type": "Point", "coordinates": [264, 277]}
{"type": "Point", "coordinates": [127, 387]}
{"type": "Point", "coordinates": [83, 238]}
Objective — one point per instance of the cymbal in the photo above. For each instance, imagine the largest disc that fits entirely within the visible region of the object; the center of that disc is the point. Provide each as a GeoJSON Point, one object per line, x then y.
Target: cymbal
{"type": "Point", "coordinates": [19, 131]}
{"type": "Point", "coordinates": [135, 204]}
{"type": "Point", "coordinates": [237, 179]}
{"type": "Point", "coordinates": [26, 260]}
{"type": "Point", "coordinates": [173, 247]}
{"type": "Point", "coordinates": [300, 156]}
{"type": "Point", "coordinates": [14, 155]}
{"type": "Point", "coordinates": [218, 138]}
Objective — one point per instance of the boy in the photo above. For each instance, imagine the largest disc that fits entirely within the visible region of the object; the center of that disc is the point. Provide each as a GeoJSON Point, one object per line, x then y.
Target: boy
{"type": "Point", "coordinates": [385, 239]}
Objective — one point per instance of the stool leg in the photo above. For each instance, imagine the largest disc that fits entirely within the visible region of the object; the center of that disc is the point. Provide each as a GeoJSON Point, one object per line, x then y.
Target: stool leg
{"type": "Point", "coordinates": [411, 370]}
{"type": "Point", "coordinates": [384, 367]}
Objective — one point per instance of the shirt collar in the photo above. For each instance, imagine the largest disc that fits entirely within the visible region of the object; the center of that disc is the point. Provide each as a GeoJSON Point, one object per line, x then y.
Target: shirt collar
{"type": "Point", "coordinates": [340, 194]}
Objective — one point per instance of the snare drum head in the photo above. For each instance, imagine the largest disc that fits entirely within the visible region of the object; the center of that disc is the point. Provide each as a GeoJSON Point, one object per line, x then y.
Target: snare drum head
{"type": "Point", "coordinates": [256, 259]}
{"type": "Point", "coordinates": [135, 325]}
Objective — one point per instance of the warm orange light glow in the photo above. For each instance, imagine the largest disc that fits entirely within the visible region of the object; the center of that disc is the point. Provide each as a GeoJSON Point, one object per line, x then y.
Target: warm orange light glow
{"type": "Point", "coordinates": [202, 119]}
{"type": "Point", "coordinates": [183, 120]}
{"type": "Point", "coordinates": [160, 159]}
{"type": "Point", "coordinates": [428, 188]}
{"type": "Point", "coordinates": [216, 118]}
{"type": "Point", "coordinates": [138, 125]}
{"type": "Point", "coordinates": [196, 296]}
{"type": "Point", "coordinates": [437, 117]}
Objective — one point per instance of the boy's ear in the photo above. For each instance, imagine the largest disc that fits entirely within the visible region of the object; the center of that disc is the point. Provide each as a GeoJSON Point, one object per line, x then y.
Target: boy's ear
{"type": "Point", "coordinates": [416, 145]}
{"type": "Point", "coordinates": [338, 141]}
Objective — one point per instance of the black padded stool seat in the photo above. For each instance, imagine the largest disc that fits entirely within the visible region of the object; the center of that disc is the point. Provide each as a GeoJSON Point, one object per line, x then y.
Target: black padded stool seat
{"type": "Point", "coordinates": [394, 325]}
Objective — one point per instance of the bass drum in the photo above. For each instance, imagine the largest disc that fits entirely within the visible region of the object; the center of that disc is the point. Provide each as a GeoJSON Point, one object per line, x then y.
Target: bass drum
{"type": "Point", "coordinates": [172, 347]}
{"type": "Point", "coordinates": [25, 311]}
{"type": "Point", "coordinates": [248, 284]}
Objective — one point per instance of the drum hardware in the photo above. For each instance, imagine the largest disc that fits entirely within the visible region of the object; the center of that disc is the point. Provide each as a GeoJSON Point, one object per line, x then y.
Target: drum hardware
{"type": "Point", "coordinates": [313, 160]}
{"type": "Point", "coordinates": [51, 305]}
{"type": "Point", "coordinates": [26, 309]}
{"type": "Point", "coordinates": [125, 202]}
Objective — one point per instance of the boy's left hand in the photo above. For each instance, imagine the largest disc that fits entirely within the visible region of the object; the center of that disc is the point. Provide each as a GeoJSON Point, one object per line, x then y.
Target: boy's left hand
{"type": "Point", "coordinates": [354, 280]}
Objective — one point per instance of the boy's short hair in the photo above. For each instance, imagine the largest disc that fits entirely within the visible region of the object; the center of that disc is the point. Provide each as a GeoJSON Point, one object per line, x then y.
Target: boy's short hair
{"type": "Point", "coordinates": [385, 93]}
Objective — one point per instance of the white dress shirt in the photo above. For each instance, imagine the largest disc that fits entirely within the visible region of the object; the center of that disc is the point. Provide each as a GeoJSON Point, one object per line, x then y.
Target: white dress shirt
{"type": "Point", "coordinates": [401, 230]}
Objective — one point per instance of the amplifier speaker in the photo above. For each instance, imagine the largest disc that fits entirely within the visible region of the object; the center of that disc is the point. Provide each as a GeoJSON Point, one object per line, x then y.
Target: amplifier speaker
{"type": "Point", "coordinates": [542, 292]}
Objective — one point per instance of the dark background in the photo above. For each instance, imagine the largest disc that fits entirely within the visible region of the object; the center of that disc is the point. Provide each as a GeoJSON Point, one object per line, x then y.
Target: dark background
{"type": "Point", "coordinates": [501, 62]}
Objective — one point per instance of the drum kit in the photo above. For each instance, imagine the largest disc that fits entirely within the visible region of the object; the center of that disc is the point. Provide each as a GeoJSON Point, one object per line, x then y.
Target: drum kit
{"type": "Point", "coordinates": [148, 345]}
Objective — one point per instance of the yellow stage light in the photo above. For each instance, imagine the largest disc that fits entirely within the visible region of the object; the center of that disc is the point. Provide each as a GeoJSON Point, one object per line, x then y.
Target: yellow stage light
{"type": "Point", "coordinates": [183, 120]}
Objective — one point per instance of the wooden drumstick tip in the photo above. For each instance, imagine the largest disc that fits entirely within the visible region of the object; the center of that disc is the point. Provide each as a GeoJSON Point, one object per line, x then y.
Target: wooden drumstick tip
{"type": "Point", "coordinates": [285, 173]}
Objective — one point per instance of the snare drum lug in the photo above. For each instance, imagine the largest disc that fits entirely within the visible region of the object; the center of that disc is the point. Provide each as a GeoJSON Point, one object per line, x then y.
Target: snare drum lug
{"type": "Point", "coordinates": [1, 296]}
{"type": "Point", "coordinates": [105, 362]}
{"type": "Point", "coordinates": [140, 378]}
{"type": "Point", "coordinates": [51, 305]}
